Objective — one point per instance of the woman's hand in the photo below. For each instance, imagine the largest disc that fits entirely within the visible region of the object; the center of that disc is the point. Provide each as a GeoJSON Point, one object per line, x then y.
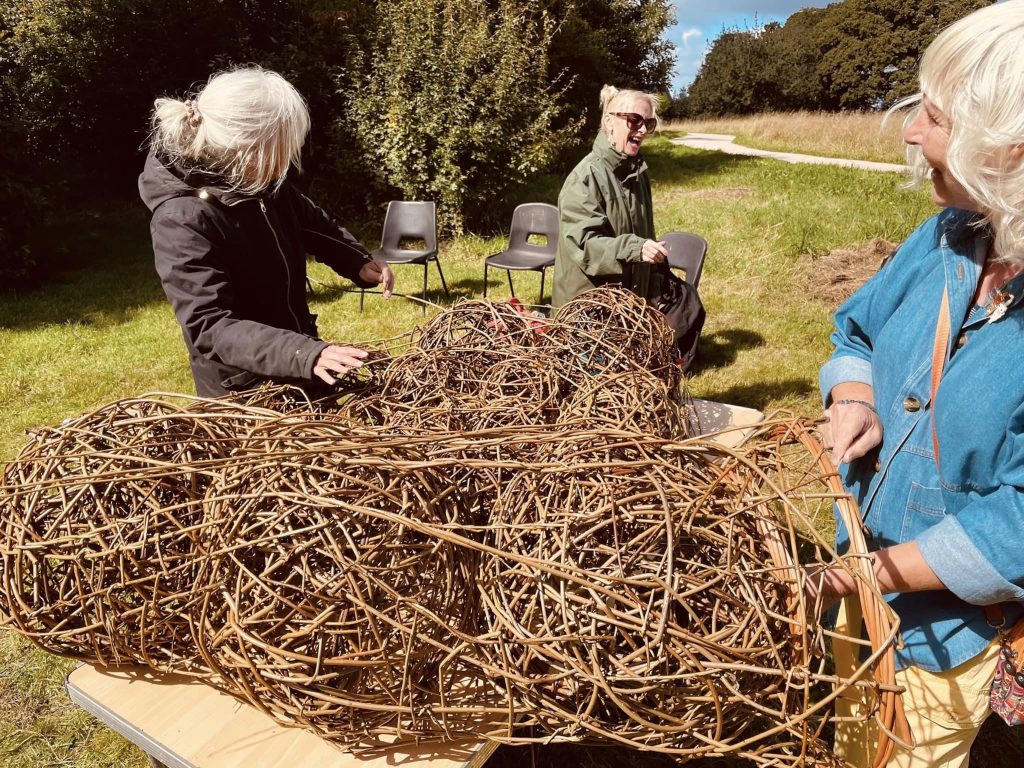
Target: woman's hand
{"type": "Point", "coordinates": [378, 272]}
{"type": "Point", "coordinates": [851, 430]}
{"type": "Point", "coordinates": [852, 426]}
{"type": "Point", "coordinates": [899, 568]}
{"type": "Point", "coordinates": [653, 252]}
{"type": "Point", "coordinates": [829, 585]}
{"type": "Point", "coordinates": [335, 361]}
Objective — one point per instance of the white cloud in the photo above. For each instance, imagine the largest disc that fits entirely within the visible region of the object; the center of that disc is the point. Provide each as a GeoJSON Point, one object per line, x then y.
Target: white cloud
{"type": "Point", "coordinates": [689, 55]}
{"type": "Point", "coordinates": [693, 33]}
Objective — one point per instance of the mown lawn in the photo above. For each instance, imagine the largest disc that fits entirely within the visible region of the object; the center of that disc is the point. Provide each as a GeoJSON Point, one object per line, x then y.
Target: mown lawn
{"type": "Point", "coordinates": [105, 332]}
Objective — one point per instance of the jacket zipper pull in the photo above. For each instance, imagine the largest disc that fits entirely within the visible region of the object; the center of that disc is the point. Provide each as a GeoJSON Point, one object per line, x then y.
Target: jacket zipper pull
{"type": "Point", "coordinates": [263, 206]}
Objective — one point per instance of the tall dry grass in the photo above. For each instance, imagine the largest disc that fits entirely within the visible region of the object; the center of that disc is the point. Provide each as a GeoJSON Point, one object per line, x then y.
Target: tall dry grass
{"type": "Point", "coordinates": [858, 135]}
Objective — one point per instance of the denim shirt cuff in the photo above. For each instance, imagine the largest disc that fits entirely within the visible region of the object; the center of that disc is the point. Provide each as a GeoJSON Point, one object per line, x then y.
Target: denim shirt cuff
{"type": "Point", "coordinates": [962, 567]}
{"type": "Point", "coordinates": [842, 369]}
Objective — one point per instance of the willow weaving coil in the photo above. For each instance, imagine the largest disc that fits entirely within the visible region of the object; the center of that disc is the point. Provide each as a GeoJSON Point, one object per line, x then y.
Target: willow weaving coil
{"type": "Point", "coordinates": [565, 573]}
{"type": "Point", "coordinates": [605, 358]}
{"type": "Point", "coordinates": [89, 509]}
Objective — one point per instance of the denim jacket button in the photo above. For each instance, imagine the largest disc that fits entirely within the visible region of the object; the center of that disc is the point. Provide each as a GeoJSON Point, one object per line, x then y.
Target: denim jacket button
{"type": "Point", "coordinates": [878, 465]}
{"type": "Point", "coordinates": [912, 405]}
{"type": "Point", "coordinates": [961, 340]}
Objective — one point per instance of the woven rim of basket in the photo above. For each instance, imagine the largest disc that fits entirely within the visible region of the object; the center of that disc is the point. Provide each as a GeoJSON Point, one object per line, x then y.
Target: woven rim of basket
{"type": "Point", "coordinates": [881, 622]}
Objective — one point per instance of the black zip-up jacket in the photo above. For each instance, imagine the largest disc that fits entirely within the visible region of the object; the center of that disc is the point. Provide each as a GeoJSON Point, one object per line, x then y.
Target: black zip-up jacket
{"type": "Point", "coordinates": [234, 268]}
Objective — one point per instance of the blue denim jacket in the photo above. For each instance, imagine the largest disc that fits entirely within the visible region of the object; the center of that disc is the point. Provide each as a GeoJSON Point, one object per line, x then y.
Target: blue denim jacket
{"type": "Point", "coordinates": [967, 515]}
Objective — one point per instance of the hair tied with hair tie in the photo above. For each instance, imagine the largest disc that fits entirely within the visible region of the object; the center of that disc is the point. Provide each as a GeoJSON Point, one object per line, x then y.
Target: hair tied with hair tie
{"type": "Point", "coordinates": [192, 113]}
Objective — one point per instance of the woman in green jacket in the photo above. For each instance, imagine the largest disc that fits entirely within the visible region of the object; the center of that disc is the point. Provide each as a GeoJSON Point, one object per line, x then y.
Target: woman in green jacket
{"type": "Point", "coordinates": [606, 221]}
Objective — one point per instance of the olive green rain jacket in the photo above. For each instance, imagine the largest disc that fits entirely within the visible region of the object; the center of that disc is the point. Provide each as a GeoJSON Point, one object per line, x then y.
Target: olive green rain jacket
{"type": "Point", "coordinates": [605, 215]}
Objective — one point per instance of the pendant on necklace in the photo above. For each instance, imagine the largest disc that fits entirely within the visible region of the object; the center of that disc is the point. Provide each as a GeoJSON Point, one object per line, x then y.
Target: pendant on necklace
{"type": "Point", "coordinates": [997, 307]}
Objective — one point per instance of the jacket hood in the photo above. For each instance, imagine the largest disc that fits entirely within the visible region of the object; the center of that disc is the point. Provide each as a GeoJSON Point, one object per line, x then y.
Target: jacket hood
{"type": "Point", "coordinates": [162, 180]}
{"type": "Point", "coordinates": [622, 164]}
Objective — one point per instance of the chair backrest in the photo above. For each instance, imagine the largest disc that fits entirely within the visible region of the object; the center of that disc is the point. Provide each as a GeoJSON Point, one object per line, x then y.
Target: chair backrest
{"type": "Point", "coordinates": [534, 219]}
{"type": "Point", "coordinates": [409, 220]}
{"type": "Point", "coordinates": [686, 251]}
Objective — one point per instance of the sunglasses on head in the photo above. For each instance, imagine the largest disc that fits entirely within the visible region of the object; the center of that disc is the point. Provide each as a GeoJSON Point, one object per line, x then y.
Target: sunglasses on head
{"type": "Point", "coordinates": [634, 121]}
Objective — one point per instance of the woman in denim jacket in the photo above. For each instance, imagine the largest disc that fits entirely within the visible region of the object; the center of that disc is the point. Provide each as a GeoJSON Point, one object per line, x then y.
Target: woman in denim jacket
{"type": "Point", "coordinates": [947, 532]}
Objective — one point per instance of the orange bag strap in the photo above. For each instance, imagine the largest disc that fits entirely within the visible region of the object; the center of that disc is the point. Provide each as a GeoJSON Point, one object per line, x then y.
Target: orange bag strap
{"type": "Point", "coordinates": [939, 361]}
{"type": "Point", "coordinates": [993, 613]}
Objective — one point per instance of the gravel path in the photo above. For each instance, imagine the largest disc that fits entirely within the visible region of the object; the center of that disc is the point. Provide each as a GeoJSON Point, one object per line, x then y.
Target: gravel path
{"type": "Point", "coordinates": [723, 142]}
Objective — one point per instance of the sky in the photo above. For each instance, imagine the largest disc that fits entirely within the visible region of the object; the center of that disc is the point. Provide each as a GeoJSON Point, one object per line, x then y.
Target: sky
{"type": "Point", "coordinates": [699, 22]}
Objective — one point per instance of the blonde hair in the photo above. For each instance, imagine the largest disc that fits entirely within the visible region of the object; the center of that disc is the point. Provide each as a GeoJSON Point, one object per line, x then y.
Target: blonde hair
{"type": "Point", "coordinates": [247, 125]}
{"type": "Point", "coordinates": [973, 72]}
{"type": "Point", "coordinates": [612, 97]}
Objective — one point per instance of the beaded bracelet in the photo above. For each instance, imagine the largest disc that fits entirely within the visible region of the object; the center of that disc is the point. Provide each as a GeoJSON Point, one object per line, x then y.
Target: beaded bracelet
{"type": "Point", "coordinates": [865, 403]}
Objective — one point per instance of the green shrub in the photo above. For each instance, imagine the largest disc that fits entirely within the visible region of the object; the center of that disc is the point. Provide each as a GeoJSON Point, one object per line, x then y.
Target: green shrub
{"type": "Point", "coordinates": [84, 73]}
{"type": "Point", "coordinates": [452, 103]}
{"type": "Point", "coordinates": [23, 206]}
{"type": "Point", "coordinates": [78, 79]}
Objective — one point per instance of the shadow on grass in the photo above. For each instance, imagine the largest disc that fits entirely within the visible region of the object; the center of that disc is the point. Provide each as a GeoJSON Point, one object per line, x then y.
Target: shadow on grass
{"type": "Point", "coordinates": [761, 395]}
{"type": "Point", "coordinates": [719, 349]}
{"type": "Point", "coordinates": [319, 290]}
{"type": "Point", "coordinates": [674, 165]}
{"type": "Point", "coordinates": [106, 275]}
{"type": "Point", "coordinates": [998, 746]}
{"type": "Point", "coordinates": [498, 290]}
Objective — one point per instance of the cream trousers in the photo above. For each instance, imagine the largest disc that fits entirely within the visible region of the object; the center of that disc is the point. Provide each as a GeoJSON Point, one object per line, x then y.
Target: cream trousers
{"type": "Point", "coordinates": [945, 709]}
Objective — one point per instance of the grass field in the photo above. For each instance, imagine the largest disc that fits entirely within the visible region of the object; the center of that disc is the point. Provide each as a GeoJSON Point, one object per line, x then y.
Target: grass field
{"type": "Point", "coordinates": [859, 135]}
{"type": "Point", "coordinates": [105, 332]}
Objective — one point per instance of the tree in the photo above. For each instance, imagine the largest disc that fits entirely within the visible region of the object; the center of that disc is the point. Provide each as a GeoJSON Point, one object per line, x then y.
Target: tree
{"type": "Point", "coordinates": [732, 80]}
{"type": "Point", "coordinates": [792, 61]}
{"type": "Point", "coordinates": [84, 73]}
{"type": "Point", "coordinates": [78, 79]}
{"type": "Point", "coordinates": [869, 49]}
{"type": "Point", "coordinates": [855, 54]}
{"type": "Point", "coordinates": [677, 106]}
{"type": "Point", "coordinates": [453, 102]}
{"type": "Point", "coordinates": [620, 42]}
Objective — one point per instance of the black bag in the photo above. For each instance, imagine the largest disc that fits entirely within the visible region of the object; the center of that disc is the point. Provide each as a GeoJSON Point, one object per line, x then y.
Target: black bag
{"type": "Point", "coordinates": [677, 300]}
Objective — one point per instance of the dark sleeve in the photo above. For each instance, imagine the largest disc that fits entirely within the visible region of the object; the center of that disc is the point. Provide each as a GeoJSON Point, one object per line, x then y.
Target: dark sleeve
{"type": "Point", "coordinates": [330, 243]}
{"type": "Point", "coordinates": [189, 253]}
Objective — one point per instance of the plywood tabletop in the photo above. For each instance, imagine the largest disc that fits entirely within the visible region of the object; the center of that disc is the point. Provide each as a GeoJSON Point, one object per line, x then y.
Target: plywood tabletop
{"type": "Point", "coordinates": [187, 724]}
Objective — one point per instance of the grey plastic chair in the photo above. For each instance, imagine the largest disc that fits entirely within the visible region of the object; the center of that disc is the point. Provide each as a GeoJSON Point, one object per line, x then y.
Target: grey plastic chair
{"type": "Point", "coordinates": [528, 219]}
{"type": "Point", "coordinates": [409, 220]}
{"type": "Point", "coordinates": [686, 251]}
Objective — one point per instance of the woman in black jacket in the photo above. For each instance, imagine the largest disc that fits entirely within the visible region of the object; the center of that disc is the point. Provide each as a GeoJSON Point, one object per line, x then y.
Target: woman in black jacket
{"type": "Point", "coordinates": [231, 234]}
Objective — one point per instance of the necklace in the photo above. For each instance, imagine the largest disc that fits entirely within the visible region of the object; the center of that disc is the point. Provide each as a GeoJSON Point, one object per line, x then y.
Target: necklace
{"type": "Point", "coordinates": [996, 302]}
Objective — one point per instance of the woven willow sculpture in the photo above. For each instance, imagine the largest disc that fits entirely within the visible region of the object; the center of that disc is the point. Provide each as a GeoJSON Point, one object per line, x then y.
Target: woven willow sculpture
{"type": "Point", "coordinates": [554, 567]}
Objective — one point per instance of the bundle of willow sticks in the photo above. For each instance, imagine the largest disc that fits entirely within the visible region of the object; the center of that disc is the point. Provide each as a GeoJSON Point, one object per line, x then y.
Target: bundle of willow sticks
{"type": "Point", "coordinates": [496, 532]}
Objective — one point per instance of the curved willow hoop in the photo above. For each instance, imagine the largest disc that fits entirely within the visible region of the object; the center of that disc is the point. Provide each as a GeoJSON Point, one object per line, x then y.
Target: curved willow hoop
{"type": "Point", "coordinates": [496, 537]}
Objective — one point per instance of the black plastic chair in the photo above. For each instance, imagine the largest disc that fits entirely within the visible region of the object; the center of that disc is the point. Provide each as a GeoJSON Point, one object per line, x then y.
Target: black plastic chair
{"type": "Point", "coordinates": [528, 219]}
{"type": "Point", "coordinates": [686, 251]}
{"type": "Point", "coordinates": [409, 220]}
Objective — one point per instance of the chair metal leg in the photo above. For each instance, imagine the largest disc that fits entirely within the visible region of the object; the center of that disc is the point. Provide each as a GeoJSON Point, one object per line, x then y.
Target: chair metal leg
{"type": "Point", "coordinates": [485, 278]}
{"type": "Point", "coordinates": [362, 296]}
{"type": "Point", "coordinates": [511, 290]}
{"type": "Point", "coordinates": [541, 300]}
{"type": "Point", "coordinates": [424, 287]}
{"type": "Point", "coordinates": [443, 283]}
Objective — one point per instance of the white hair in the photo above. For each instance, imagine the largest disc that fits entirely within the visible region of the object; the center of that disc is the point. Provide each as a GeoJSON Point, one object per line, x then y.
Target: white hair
{"type": "Point", "coordinates": [613, 98]}
{"type": "Point", "coordinates": [973, 73]}
{"type": "Point", "coordinates": [247, 125]}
